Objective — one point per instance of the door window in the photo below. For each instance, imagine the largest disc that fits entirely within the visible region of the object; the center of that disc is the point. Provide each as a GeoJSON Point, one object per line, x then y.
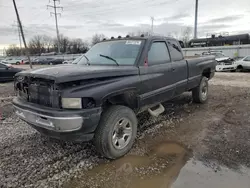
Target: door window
{"type": "Point", "coordinates": [158, 54]}
{"type": "Point", "coordinates": [175, 50]}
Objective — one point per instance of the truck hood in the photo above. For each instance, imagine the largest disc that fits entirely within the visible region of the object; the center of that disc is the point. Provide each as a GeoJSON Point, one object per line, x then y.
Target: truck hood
{"type": "Point", "coordinates": [67, 73]}
{"type": "Point", "coordinates": [223, 58]}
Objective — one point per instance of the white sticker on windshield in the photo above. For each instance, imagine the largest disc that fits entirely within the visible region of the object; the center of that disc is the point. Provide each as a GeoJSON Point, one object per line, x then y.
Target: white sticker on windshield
{"type": "Point", "coordinates": [133, 42]}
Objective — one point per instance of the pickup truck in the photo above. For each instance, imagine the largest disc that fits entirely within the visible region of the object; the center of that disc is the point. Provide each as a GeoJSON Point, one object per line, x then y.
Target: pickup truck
{"type": "Point", "coordinates": [98, 96]}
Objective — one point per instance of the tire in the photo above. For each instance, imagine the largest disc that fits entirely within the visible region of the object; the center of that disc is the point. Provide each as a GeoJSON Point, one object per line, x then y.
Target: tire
{"type": "Point", "coordinates": [107, 136]}
{"type": "Point", "coordinates": [200, 93]}
{"type": "Point", "coordinates": [239, 69]}
{"type": "Point", "coordinates": [17, 63]}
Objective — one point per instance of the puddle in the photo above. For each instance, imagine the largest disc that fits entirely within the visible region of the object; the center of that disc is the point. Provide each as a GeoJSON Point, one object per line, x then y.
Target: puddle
{"type": "Point", "coordinates": [168, 165]}
{"type": "Point", "coordinates": [196, 175]}
{"type": "Point", "coordinates": [157, 170]}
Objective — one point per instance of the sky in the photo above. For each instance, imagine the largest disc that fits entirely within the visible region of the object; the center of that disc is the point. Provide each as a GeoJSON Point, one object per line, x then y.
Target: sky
{"type": "Point", "coordinates": [84, 18]}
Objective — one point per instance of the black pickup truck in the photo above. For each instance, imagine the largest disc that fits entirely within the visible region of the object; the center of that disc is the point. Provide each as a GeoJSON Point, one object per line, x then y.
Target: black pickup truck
{"type": "Point", "coordinates": [99, 95]}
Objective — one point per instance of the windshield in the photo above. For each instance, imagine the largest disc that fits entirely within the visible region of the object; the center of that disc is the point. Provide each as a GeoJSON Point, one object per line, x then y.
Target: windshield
{"type": "Point", "coordinates": [124, 52]}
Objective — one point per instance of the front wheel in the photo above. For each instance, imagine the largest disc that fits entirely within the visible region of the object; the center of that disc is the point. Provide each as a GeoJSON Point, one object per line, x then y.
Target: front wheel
{"type": "Point", "coordinates": [239, 69]}
{"type": "Point", "coordinates": [200, 93]}
{"type": "Point", "coordinates": [116, 132]}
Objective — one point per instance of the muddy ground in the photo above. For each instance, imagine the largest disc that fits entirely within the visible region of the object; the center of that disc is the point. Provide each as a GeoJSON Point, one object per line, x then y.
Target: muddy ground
{"type": "Point", "coordinates": [189, 146]}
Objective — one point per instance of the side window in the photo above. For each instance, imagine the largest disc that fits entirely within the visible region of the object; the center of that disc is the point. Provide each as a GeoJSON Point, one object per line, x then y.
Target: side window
{"type": "Point", "coordinates": [247, 58]}
{"type": "Point", "coordinates": [175, 50]}
{"type": "Point", "coordinates": [158, 53]}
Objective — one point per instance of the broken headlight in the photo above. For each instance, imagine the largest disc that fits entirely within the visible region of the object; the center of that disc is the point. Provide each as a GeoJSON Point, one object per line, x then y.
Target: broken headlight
{"type": "Point", "coordinates": [72, 103]}
{"type": "Point", "coordinates": [78, 103]}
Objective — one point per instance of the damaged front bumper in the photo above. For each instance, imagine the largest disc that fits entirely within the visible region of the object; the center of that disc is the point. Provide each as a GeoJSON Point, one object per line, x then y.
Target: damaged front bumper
{"type": "Point", "coordinates": [221, 68]}
{"type": "Point", "coordinates": [74, 125]}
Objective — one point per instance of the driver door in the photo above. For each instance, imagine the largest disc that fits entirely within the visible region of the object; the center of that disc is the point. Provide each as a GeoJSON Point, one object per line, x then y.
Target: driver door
{"type": "Point", "coordinates": [157, 76]}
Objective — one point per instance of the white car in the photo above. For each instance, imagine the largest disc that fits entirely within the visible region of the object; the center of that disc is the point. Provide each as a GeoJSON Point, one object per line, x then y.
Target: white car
{"type": "Point", "coordinates": [13, 60]}
{"type": "Point", "coordinates": [67, 62]}
{"type": "Point", "coordinates": [224, 63]}
{"type": "Point", "coordinates": [243, 64]}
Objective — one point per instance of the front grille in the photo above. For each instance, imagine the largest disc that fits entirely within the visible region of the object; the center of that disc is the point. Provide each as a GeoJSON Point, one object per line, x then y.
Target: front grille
{"type": "Point", "coordinates": [38, 91]}
{"type": "Point", "coordinates": [40, 95]}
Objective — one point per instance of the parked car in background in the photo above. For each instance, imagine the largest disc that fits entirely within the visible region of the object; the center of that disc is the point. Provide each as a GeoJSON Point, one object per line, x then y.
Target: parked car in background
{"type": "Point", "coordinates": [25, 61]}
{"type": "Point", "coordinates": [56, 61]}
{"type": "Point", "coordinates": [12, 60]}
{"type": "Point", "coordinates": [243, 64]}
{"type": "Point", "coordinates": [47, 61]}
{"type": "Point", "coordinates": [224, 63]}
{"type": "Point", "coordinates": [67, 62]}
{"type": "Point", "coordinates": [42, 60]}
{"type": "Point", "coordinates": [7, 72]}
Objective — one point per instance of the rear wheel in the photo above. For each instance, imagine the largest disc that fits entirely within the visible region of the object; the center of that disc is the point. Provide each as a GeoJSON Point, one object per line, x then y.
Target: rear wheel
{"type": "Point", "coordinates": [17, 63]}
{"type": "Point", "coordinates": [116, 132]}
{"type": "Point", "coordinates": [200, 93]}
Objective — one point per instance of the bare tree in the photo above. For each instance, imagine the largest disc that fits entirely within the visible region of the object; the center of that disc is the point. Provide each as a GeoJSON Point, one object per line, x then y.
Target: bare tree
{"type": "Point", "coordinates": [186, 35]}
{"type": "Point", "coordinates": [78, 46]}
{"type": "Point", "coordinates": [42, 43]}
{"type": "Point", "coordinates": [48, 42]}
{"type": "Point", "coordinates": [13, 50]}
{"type": "Point", "coordinates": [64, 43]}
{"type": "Point", "coordinates": [36, 44]}
{"type": "Point", "coordinates": [97, 38]}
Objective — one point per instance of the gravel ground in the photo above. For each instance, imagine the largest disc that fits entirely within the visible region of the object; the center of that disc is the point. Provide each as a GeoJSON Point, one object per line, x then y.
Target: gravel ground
{"type": "Point", "coordinates": [216, 133]}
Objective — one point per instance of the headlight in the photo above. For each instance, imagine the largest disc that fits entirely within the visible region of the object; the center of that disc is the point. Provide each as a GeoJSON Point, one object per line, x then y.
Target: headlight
{"type": "Point", "coordinates": [221, 63]}
{"type": "Point", "coordinates": [72, 103]}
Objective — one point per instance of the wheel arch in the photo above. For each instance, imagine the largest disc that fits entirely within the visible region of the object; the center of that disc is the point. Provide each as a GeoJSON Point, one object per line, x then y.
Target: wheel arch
{"type": "Point", "coordinates": [127, 97]}
{"type": "Point", "coordinates": [207, 73]}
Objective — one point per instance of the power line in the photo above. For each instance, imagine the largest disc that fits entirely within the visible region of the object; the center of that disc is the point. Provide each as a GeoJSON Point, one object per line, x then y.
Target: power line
{"type": "Point", "coordinates": [55, 13]}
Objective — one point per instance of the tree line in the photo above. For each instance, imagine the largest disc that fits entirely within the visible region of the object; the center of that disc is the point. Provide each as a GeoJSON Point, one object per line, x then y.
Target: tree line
{"type": "Point", "coordinates": [41, 44]}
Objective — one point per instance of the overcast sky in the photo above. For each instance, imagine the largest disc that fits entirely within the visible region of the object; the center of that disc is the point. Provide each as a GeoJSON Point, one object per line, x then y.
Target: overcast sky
{"type": "Point", "coordinates": [83, 18]}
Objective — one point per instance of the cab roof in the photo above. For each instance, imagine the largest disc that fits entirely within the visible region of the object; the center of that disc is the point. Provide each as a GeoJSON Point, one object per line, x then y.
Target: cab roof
{"type": "Point", "coordinates": [139, 38]}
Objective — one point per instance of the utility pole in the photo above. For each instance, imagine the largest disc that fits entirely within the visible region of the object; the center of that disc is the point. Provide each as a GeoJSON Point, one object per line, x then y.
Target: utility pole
{"type": "Point", "coordinates": [18, 32]}
{"type": "Point", "coordinates": [21, 29]}
{"type": "Point", "coordinates": [196, 19]}
{"type": "Point", "coordinates": [152, 25]}
{"type": "Point", "coordinates": [55, 13]}
{"type": "Point", "coordinates": [19, 35]}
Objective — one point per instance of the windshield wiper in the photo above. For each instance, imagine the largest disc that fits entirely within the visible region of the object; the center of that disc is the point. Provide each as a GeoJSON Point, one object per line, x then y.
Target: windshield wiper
{"type": "Point", "coordinates": [108, 57]}
{"type": "Point", "coordinates": [88, 63]}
